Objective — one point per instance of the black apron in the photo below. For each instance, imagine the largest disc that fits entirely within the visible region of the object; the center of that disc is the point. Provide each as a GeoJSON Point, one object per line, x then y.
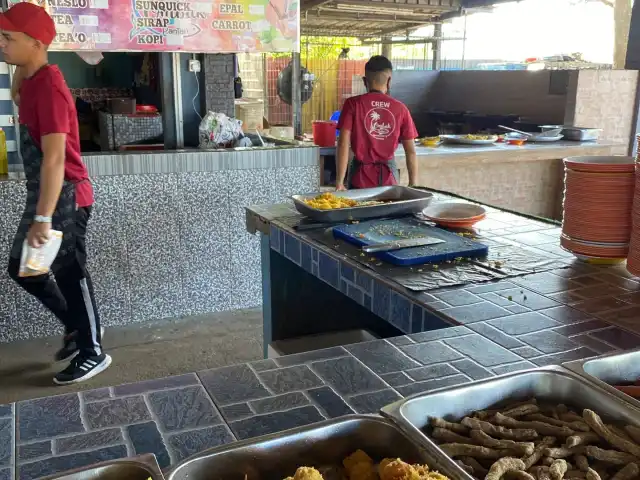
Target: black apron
{"type": "Point", "coordinates": [63, 219]}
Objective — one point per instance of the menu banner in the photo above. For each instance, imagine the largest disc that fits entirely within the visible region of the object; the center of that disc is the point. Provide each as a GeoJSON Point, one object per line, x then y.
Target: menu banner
{"type": "Point", "coordinates": [175, 25]}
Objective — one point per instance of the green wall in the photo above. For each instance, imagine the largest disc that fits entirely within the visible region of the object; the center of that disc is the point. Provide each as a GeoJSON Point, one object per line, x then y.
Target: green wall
{"type": "Point", "coordinates": [115, 70]}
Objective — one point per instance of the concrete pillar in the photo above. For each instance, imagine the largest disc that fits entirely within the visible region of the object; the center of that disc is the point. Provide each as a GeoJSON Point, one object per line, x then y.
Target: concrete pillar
{"type": "Point", "coordinates": [219, 72]}
{"type": "Point", "coordinates": [387, 48]}
{"type": "Point", "coordinates": [437, 47]}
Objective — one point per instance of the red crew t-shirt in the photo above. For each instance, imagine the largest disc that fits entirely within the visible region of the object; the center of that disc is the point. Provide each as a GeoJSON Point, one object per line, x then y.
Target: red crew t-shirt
{"type": "Point", "coordinates": [46, 107]}
{"type": "Point", "coordinates": [378, 123]}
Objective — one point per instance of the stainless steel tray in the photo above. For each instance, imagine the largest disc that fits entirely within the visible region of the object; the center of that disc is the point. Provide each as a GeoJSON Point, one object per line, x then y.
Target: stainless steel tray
{"type": "Point", "coordinates": [555, 384]}
{"type": "Point", "coordinates": [403, 201]}
{"type": "Point", "coordinates": [327, 443]}
{"type": "Point", "coordinates": [141, 467]}
{"type": "Point", "coordinates": [609, 370]}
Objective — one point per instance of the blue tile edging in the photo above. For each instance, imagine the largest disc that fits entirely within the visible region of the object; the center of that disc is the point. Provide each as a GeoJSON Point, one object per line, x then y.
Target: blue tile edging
{"type": "Point", "coordinates": [404, 313]}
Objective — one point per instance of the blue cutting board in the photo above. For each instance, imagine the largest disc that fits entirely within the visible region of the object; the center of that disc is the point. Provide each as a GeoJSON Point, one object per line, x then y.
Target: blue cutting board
{"type": "Point", "coordinates": [381, 231]}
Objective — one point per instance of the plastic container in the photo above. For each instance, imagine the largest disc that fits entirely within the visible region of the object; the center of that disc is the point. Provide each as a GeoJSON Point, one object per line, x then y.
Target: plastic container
{"type": "Point", "coordinates": [335, 117]}
{"type": "Point", "coordinates": [324, 133]}
{"type": "Point", "coordinates": [251, 112]}
{"type": "Point", "coordinates": [4, 157]}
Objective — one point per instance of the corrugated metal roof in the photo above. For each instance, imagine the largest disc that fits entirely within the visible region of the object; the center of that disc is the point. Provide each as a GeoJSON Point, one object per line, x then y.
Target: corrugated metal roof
{"type": "Point", "coordinates": [375, 18]}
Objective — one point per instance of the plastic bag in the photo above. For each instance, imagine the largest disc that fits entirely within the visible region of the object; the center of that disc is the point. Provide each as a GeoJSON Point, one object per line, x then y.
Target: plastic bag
{"type": "Point", "coordinates": [38, 261]}
{"type": "Point", "coordinates": [217, 130]}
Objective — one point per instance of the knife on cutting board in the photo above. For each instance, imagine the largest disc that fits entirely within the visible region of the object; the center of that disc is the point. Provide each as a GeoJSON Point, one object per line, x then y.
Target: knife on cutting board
{"type": "Point", "coordinates": [398, 244]}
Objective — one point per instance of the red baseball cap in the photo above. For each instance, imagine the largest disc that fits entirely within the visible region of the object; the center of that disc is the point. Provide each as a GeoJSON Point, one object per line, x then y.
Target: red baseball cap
{"type": "Point", "coordinates": [29, 19]}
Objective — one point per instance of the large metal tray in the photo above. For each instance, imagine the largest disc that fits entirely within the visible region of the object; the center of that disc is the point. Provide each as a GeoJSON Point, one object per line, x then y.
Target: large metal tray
{"type": "Point", "coordinates": [610, 370]}
{"type": "Point", "coordinates": [555, 384]}
{"type": "Point", "coordinates": [321, 445]}
{"type": "Point", "coordinates": [402, 201]}
{"type": "Point", "coordinates": [141, 467]}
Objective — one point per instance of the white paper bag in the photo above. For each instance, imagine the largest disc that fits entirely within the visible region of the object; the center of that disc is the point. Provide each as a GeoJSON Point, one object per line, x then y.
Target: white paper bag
{"type": "Point", "coordinates": [38, 261]}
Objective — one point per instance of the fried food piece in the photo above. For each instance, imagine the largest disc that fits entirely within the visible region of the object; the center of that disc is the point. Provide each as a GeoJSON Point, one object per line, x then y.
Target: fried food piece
{"type": "Point", "coordinates": [362, 471]}
{"type": "Point", "coordinates": [547, 461]}
{"type": "Point", "coordinates": [609, 456]}
{"type": "Point", "coordinates": [519, 475]}
{"type": "Point", "coordinates": [436, 476]}
{"type": "Point", "coordinates": [475, 451]}
{"type": "Point", "coordinates": [570, 416]}
{"type": "Point", "coordinates": [577, 425]}
{"type": "Point", "coordinates": [502, 466]}
{"type": "Point", "coordinates": [355, 458]}
{"type": "Point", "coordinates": [539, 427]}
{"type": "Point", "coordinates": [454, 427]}
{"type": "Point", "coordinates": [634, 432]}
{"type": "Point", "coordinates": [499, 431]}
{"type": "Point", "coordinates": [563, 452]}
{"type": "Point", "coordinates": [538, 452]}
{"type": "Point", "coordinates": [397, 470]}
{"type": "Point", "coordinates": [592, 475]}
{"type": "Point", "coordinates": [448, 436]}
{"type": "Point", "coordinates": [581, 462]}
{"type": "Point", "coordinates": [575, 474]}
{"type": "Point", "coordinates": [467, 468]}
{"type": "Point", "coordinates": [307, 473]}
{"type": "Point", "coordinates": [627, 473]}
{"type": "Point", "coordinates": [487, 414]}
{"type": "Point", "coordinates": [478, 469]}
{"type": "Point", "coordinates": [558, 468]}
{"type": "Point", "coordinates": [619, 431]}
{"type": "Point", "coordinates": [595, 422]}
{"type": "Point", "coordinates": [518, 448]}
{"type": "Point", "coordinates": [582, 438]}
{"type": "Point", "coordinates": [521, 410]}
{"type": "Point", "coordinates": [540, 472]}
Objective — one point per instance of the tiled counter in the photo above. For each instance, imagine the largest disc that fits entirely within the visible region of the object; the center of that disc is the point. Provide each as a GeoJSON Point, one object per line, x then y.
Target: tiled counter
{"type": "Point", "coordinates": [167, 237]}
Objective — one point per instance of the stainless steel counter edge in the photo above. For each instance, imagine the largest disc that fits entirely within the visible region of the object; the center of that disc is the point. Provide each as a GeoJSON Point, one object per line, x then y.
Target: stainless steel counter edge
{"type": "Point", "coordinates": [188, 161]}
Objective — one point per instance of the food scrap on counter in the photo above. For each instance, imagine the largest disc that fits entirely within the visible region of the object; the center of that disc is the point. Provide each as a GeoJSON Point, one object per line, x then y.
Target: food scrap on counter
{"type": "Point", "coordinates": [539, 441]}
{"type": "Point", "coordinates": [360, 466]}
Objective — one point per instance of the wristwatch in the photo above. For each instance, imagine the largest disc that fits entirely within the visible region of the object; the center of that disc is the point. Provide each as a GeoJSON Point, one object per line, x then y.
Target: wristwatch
{"type": "Point", "coordinates": [42, 219]}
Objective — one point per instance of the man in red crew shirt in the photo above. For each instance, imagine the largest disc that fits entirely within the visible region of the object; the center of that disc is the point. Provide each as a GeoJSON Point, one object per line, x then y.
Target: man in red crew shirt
{"type": "Point", "coordinates": [372, 125]}
{"type": "Point", "coordinates": [59, 192]}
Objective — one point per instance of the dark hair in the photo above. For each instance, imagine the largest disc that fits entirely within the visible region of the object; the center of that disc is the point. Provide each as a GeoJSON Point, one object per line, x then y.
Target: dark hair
{"type": "Point", "coordinates": [377, 64]}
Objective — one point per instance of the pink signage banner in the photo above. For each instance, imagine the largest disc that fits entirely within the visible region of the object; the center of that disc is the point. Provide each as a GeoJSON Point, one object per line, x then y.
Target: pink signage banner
{"type": "Point", "coordinates": [175, 25]}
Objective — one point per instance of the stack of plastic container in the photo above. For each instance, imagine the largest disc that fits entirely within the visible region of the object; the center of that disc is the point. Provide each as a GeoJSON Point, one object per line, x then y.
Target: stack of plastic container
{"type": "Point", "coordinates": [598, 199]}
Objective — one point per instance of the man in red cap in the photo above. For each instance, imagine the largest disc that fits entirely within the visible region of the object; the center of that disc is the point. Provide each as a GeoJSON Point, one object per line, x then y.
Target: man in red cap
{"type": "Point", "coordinates": [59, 192]}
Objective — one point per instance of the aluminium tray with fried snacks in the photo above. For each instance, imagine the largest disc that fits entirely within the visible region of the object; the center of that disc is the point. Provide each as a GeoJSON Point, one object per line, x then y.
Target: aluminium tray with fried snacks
{"type": "Point", "coordinates": [555, 383]}
{"type": "Point", "coordinates": [142, 467]}
{"type": "Point", "coordinates": [397, 201]}
{"type": "Point", "coordinates": [322, 445]}
{"type": "Point", "coordinates": [609, 370]}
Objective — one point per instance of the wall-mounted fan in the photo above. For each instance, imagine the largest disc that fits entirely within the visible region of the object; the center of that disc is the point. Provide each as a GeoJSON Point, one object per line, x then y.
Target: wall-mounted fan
{"type": "Point", "coordinates": [284, 84]}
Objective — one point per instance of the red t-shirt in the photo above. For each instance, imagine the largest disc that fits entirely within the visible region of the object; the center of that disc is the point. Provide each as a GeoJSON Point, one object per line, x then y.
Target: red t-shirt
{"type": "Point", "coordinates": [46, 107]}
{"type": "Point", "coordinates": [378, 123]}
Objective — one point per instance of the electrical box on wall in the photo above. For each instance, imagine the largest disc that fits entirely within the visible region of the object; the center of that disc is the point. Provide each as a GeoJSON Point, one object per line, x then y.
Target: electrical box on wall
{"type": "Point", "coordinates": [194, 65]}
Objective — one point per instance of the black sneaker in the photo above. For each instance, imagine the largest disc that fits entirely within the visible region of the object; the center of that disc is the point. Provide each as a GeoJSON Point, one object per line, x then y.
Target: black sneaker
{"type": "Point", "coordinates": [70, 347]}
{"type": "Point", "coordinates": [83, 368]}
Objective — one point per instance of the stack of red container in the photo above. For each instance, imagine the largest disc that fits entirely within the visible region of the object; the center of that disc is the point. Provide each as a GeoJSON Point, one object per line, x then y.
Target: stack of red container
{"type": "Point", "coordinates": [598, 200]}
{"type": "Point", "coordinates": [633, 260]}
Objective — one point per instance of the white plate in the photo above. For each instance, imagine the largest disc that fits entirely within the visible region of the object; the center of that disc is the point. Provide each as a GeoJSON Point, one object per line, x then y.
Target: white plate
{"type": "Point", "coordinates": [462, 140]}
{"type": "Point", "coordinates": [453, 211]}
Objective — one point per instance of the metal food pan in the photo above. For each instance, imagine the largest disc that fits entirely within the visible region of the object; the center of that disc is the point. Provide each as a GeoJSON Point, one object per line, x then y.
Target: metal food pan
{"type": "Point", "coordinates": [609, 370]}
{"type": "Point", "coordinates": [401, 201]}
{"type": "Point", "coordinates": [555, 384]}
{"type": "Point", "coordinates": [141, 467]}
{"type": "Point", "coordinates": [323, 445]}
{"type": "Point", "coordinates": [577, 134]}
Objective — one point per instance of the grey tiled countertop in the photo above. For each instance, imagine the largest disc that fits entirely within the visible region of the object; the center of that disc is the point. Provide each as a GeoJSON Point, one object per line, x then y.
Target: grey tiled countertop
{"type": "Point", "coordinates": [176, 417]}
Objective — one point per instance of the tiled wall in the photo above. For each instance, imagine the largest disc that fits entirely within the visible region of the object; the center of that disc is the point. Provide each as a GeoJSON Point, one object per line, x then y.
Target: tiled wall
{"type": "Point", "coordinates": [219, 73]}
{"type": "Point", "coordinates": [161, 245]}
{"type": "Point", "coordinates": [604, 99]}
{"type": "Point", "coordinates": [117, 130]}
